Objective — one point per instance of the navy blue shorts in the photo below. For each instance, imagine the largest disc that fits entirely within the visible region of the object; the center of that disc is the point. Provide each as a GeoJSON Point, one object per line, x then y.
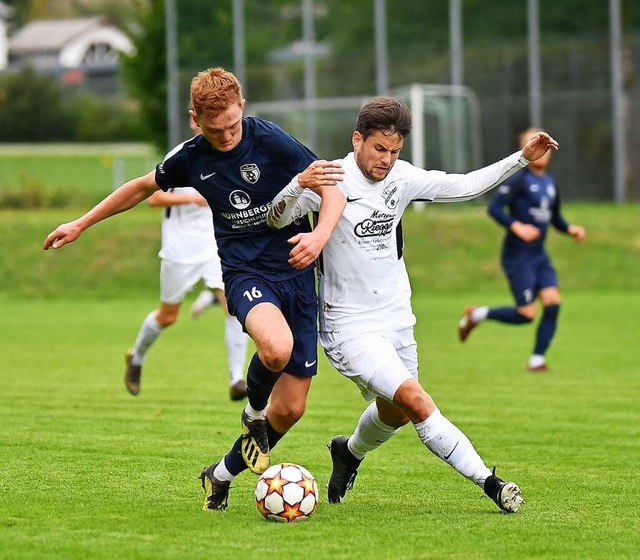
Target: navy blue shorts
{"type": "Point", "coordinates": [528, 274]}
{"type": "Point", "coordinates": [297, 300]}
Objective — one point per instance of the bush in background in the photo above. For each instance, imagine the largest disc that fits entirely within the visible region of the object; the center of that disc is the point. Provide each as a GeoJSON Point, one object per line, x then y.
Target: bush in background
{"type": "Point", "coordinates": [37, 108]}
{"type": "Point", "coordinates": [33, 108]}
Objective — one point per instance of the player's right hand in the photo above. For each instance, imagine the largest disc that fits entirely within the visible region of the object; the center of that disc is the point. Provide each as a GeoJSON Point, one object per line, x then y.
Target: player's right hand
{"type": "Point", "coordinates": [63, 234]}
{"type": "Point", "coordinates": [526, 232]}
{"type": "Point", "coordinates": [321, 173]}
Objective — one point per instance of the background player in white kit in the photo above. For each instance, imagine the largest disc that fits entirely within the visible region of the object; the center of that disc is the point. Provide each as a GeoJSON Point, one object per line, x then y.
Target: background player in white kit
{"type": "Point", "coordinates": [189, 254]}
{"type": "Point", "coordinates": [366, 320]}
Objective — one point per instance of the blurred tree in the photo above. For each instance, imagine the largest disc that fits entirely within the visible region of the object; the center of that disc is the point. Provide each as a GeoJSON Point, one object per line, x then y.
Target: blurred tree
{"type": "Point", "coordinates": [205, 39]}
{"type": "Point", "coordinates": [33, 108]}
{"type": "Point", "coordinates": [418, 44]}
{"type": "Point", "coordinates": [37, 108]}
{"type": "Point", "coordinates": [145, 71]}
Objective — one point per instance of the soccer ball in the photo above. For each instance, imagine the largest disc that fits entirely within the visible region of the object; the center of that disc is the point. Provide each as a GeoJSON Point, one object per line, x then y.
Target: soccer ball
{"type": "Point", "coordinates": [286, 493]}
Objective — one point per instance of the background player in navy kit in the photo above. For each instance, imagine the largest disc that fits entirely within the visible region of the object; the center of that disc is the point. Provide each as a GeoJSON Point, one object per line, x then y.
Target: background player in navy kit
{"type": "Point", "coordinates": [525, 205]}
{"type": "Point", "coordinates": [238, 165]}
{"type": "Point", "coordinates": [189, 254]}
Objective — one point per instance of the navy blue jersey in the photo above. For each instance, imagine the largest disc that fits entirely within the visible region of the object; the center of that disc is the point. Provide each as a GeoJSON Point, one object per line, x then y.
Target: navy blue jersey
{"type": "Point", "coordinates": [530, 199]}
{"type": "Point", "coordinates": [239, 186]}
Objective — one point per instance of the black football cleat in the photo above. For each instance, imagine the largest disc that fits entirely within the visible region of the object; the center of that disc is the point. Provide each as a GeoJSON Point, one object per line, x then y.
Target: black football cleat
{"type": "Point", "coordinates": [506, 495]}
{"type": "Point", "coordinates": [344, 471]}
{"type": "Point", "coordinates": [216, 491]}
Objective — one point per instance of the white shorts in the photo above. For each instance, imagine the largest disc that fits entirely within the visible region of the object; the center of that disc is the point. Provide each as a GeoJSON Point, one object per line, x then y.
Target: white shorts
{"type": "Point", "coordinates": [378, 363]}
{"type": "Point", "coordinates": [177, 280]}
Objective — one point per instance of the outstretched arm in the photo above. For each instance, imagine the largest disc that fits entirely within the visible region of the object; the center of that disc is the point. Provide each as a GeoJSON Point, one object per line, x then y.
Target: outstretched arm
{"type": "Point", "coordinates": [437, 186]}
{"type": "Point", "coordinates": [120, 200]}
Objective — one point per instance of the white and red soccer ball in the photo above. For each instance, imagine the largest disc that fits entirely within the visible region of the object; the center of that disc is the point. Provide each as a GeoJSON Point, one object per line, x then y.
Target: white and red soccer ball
{"type": "Point", "coordinates": [286, 493]}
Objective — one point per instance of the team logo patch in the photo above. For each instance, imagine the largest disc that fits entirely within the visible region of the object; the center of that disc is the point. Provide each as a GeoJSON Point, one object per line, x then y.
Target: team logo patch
{"type": "Point", "coordinates": [389, 195]}
{"type": "Point", "coordinates": [239, 199]}
{"type": "Point", "coordinates": [250, 173]}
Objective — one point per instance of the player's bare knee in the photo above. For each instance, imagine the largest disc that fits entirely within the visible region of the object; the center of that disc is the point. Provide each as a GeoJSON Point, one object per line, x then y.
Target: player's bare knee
{"type": "Point", "coordinates": [416, 406]}
{"type": "Point", "coordinates": [528, 312]}
{"type": "Point", "coordinates": [286, 414]}
{"type": "Point", "coordinates": [167, 319]}
{"type": "Point", "coordinates": [275, 361]}
{"type": "Point", "coordinates": [276, 355]}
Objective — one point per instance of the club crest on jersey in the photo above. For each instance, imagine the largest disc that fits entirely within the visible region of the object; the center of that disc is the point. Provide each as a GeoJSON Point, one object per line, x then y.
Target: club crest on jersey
{"type": "Point", "coordinates": [250, 173]}
{"type": "Point", "coordinates": [551, 191]}
{"type": "Point", "coordinates": [239, 199]}
{"type": "Point", "coordinates": [388, 194]}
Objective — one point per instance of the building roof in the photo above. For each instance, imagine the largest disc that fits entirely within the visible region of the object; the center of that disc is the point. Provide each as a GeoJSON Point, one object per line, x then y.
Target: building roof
{"type": "Point", "coordinates": [51, 35]}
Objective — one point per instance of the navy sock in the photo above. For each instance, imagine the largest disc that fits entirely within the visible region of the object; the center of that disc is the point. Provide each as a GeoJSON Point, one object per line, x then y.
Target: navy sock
{"type": "Point", "coordinates": [507, 315]}
{"type": "Point", "coordinates": [260, 382]}
{"type": "Point", "coordinates": [546, 328]}
{"type": "Point", "coordinates": [272, 436]}
{"type": "Point", "coordinates": [233, 460]}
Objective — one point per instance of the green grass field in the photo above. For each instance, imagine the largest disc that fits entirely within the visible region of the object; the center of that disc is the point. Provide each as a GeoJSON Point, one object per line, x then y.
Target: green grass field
{"type": "Point", "coordinates": [63, 174]}
{"type": "Point", "coordinates": [90, 472]}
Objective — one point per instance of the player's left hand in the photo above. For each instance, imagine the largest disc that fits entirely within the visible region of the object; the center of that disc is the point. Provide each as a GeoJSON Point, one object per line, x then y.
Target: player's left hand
{"type": "Point", "coordinates": [577, 232]}
{"type": "Point", "coordinates": [538, 145]}
{"type": "Point", "coordinates": [307, 249]}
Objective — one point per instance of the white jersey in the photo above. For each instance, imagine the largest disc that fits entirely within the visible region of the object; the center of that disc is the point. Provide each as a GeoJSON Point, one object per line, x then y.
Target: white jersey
{"type": "Point", "coordinates": [364, 285]}
{"type": "Point", "coordinates": [187, 232]}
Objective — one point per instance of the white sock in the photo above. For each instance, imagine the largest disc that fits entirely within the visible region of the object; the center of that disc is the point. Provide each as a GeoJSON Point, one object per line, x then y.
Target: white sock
{"type": "Point", "coordinates": [205, 299]}
{"type": "Point", "coordinates": [370, 433]}
{"type": "Point", "coordinates": [449, 443]}
{"type": "Point", "coordinates": [536, 360]}
{"type": "Point", "coordinates": [149, 331]}
{"type": "Point", "coordinates": [479, 314]}
{"type": "Point", "coordinates": [222, 473]}
{"type": "Point", "coordinates": [254, 414]}
{"type": "Point", "coordinates": [236, 341]}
